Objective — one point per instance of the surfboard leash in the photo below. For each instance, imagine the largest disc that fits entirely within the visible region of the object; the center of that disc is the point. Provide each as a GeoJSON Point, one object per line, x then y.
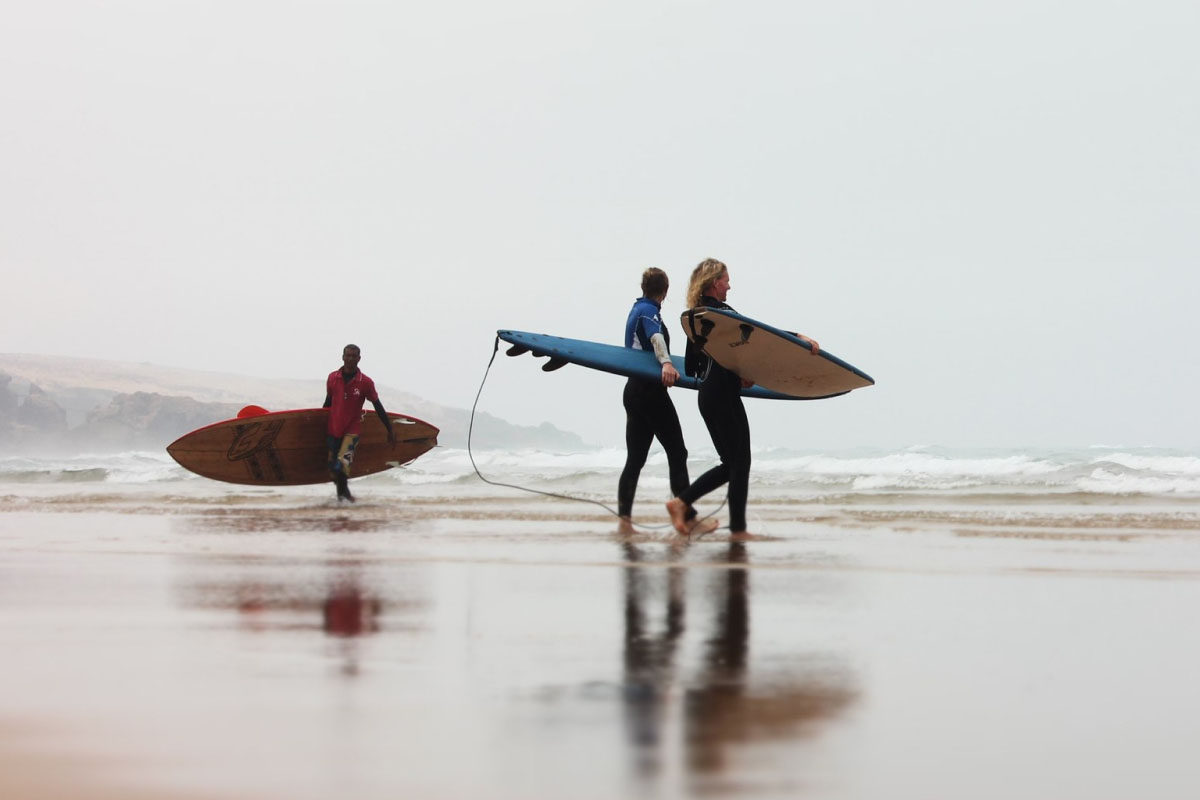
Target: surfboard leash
{"type": "Point", "coordinates": [471, 456]}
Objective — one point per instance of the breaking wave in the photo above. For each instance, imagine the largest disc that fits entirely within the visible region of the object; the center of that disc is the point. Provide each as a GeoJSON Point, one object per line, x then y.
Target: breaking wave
{"type": "Point", "coordinates": [1086, 471]}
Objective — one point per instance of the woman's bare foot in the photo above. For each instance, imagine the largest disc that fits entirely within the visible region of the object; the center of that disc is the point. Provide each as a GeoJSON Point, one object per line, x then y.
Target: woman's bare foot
{"type": "Point", "coordinates": [743, 536]}
{"type": "Point", "coordinates": [678, 511]}
{"type": "Point", "coordinates": [625, 527]}
{"type": "Point", "coordinates": [703, 527]}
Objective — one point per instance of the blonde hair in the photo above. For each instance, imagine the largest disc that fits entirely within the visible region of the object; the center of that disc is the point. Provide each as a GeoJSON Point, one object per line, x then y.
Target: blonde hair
{"type": "Point", "coordinates": [704, 275]}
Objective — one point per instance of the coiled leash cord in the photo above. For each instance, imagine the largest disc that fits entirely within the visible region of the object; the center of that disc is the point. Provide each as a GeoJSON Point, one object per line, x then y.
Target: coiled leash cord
{"type": "Point", "coordinates": [471, 455]}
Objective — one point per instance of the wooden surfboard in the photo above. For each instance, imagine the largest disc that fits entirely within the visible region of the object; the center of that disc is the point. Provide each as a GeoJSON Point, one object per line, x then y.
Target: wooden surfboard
{"type": "Point", "coordinates": [772, 358]}
{"type": "Point", "coordinates": [287, 448]}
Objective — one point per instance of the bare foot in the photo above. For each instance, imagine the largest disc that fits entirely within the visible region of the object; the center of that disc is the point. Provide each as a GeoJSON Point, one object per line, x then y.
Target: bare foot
{"type": "Point", "coordinates": [743, 536]}
{"type": "Point", "coordinates": [703, 527]}
{"type": "Point", "coordinates": [678, 510]}
{"type": "Point", "coordinates": [625, 527]}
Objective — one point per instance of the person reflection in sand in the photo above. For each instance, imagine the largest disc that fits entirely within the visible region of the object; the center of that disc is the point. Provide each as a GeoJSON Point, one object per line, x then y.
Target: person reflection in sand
{"type": "Point", "coordinates": [649, 659]}
{"type": "Point", "coordinates": [349, 613]}
{"type": "Point", "coordinates": [722, 707]}
{"type": "Point", "coordinates": [720, 699]}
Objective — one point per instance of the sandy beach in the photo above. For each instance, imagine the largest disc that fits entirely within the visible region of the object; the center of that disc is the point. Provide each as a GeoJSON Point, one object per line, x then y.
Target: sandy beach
{"type": "Point", "coordinates": [223, 642]}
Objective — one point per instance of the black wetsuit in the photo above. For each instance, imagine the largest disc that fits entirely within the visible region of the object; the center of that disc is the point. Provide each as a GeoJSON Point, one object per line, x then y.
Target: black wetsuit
{"type": "Point", "coordinates": [725, 416]}
{"type": "Point", "coordinates": [649, 413]}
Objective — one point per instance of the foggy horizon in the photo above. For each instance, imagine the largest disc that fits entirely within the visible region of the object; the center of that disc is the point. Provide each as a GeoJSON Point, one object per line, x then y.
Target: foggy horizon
{"type": "Point", "coordinates": [990, 210]}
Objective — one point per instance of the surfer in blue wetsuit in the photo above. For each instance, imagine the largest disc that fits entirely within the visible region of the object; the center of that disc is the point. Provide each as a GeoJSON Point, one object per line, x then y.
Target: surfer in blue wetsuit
{"type": "Point", "coordinates": [649, 412]}
{"type": "Point", "coordinates": [721, 406]}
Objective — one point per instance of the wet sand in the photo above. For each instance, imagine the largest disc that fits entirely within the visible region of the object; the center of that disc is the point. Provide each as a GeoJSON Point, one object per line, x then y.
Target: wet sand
{"type": "Point", "coordinates": [496, 648]}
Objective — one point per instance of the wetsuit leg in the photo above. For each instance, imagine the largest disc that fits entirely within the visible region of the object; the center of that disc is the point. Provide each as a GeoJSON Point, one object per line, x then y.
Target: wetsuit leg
{"type": "Point", "coordinates": [725, 417]}
{"type": "Point", "coordinates": [639, 433]}
{"type": "Point", "coordinates": [711, 411]}
{"type": "Point", "coordinates": [649, 408]}
{"type": "Point", "coordinates": [670, 435]}
{"type": "Point", "coordinates": [738, 447]}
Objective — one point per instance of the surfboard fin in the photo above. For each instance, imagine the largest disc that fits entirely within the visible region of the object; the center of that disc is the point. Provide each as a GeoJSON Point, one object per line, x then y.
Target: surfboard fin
{"type": "Point", "coordinates": [516, 350]}
{"type": "Point", "coordinates": [554, 363]}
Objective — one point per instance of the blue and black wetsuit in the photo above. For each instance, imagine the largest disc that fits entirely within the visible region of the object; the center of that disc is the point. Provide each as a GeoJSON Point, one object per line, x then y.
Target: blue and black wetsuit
{"type": "Point", "coordinates": [725, 417]}
{"type": "Point", "coordinates": [649, 412]}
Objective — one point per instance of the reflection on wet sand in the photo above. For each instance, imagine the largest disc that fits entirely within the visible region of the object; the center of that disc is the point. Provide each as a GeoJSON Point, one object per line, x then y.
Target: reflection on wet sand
{"type": "Point", "coordinates": [722, 707]}
{"type": "Point", "coordinates": [279, 595]}
{"type": "Point", "coordinates": [253, 522]}
{"type": "Point", "coordinates": [348, 612]}
{"type": "Point", "coordinates": [649, 659]}
{"type": "Point", "coordinates": [338, 604]}
{"type": "Point", "coordinates": [698, 704]}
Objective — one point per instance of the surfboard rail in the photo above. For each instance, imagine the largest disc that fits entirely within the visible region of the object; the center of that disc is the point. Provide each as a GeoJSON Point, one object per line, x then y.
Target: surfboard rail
{"type": "Point", "coordinates": [614, 359]}
{"type": "Point", "coordinates": [769, 356]}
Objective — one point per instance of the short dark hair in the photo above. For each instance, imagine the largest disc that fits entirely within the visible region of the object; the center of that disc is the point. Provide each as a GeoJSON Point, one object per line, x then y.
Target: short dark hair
{"type": "Point", "coordinates": [352, 347]}
{"type": "Point", "coordinates": [654, 282]}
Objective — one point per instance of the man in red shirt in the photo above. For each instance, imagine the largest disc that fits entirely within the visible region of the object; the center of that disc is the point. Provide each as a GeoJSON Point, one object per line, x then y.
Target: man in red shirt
{"type": "Point", "coordinates": [346, 390]}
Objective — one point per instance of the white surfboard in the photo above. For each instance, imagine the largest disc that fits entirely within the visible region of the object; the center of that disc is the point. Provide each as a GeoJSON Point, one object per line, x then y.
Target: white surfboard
{"type": "Point", "coordinates": [772, 358]}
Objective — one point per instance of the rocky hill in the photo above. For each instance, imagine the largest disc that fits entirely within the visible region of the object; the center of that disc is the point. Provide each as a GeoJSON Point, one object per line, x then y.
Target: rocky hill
{"type": "Point", "coordinates": [61, 405]}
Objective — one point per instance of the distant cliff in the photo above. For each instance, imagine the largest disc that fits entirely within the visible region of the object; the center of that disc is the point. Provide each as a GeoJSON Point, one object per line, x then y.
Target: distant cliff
{"type": "Point", "coordinates": [34, 418]}
{"type": "Point", "coordinates": [145, 421]}
{"type": "Point", "coordinates": [56, 404]}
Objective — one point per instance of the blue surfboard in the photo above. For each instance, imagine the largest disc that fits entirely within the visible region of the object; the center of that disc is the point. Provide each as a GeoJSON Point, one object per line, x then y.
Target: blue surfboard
{"type": "Point", "coordinates": [611, 358]}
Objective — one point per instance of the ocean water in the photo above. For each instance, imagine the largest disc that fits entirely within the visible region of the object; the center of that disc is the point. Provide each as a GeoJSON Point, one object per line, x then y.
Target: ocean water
{"type": "Point", "coordinates": [1115, 475]}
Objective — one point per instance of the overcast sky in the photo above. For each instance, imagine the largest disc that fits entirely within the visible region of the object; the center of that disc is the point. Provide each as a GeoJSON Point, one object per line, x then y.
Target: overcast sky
{"type": "Point", "coordinates": [992, 208]}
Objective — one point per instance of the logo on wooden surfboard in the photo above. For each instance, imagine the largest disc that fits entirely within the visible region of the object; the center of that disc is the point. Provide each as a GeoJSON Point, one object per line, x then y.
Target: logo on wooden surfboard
{"type": "Point", "coordinates": [254, 444]}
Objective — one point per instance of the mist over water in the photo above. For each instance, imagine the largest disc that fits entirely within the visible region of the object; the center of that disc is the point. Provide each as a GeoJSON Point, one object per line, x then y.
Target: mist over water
{"type": "Point", "coordinates": [1133, 472]}
{"type": "Point", "coordinates": [1074, 480]}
